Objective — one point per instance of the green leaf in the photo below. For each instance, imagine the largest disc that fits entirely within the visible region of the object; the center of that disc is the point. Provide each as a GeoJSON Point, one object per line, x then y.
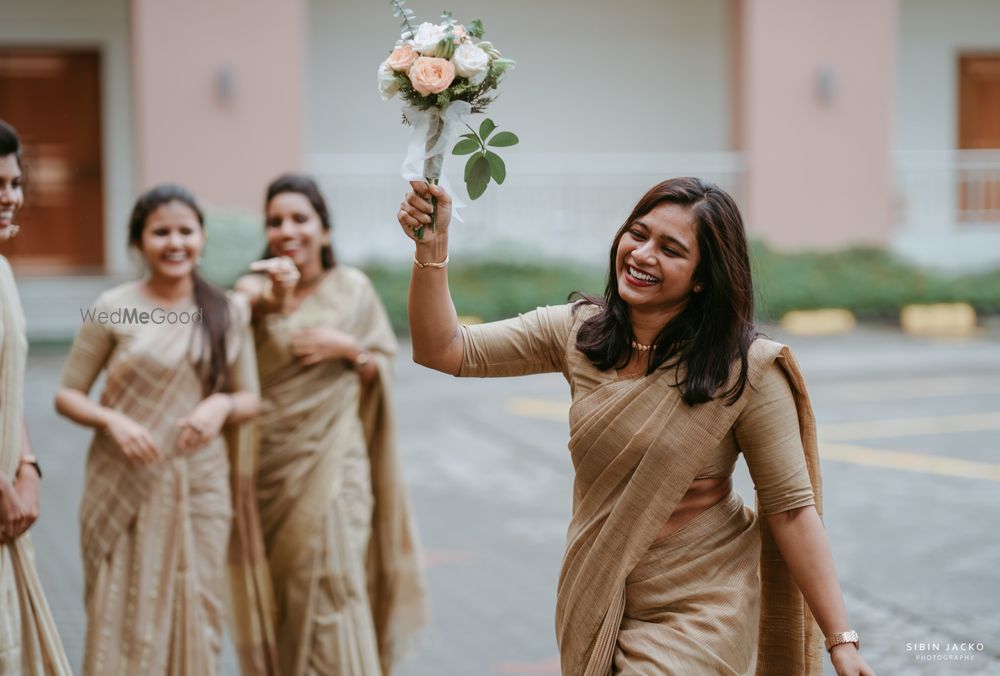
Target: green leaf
{"type": "Point", "coordinates": [470, 164]}
{"type": "Point", "coordinates": [471, 137]}
{"type": "Point", "coordinates": [475, 28]}
{"type": "Point", "coordinates": [479, 177]}
{"type": "Point", "coordinates": [498, 170]}
{"type": "Point", "coordinates": [465, 146]}
{"type": "Point", "coordinates": [486, 128]}
{"type": "Point", "coordinates": [504, 139]}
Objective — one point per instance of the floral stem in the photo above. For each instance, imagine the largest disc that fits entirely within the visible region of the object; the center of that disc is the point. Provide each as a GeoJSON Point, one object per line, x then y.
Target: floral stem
{"type": "Point", "coordinates": [406, 21]}
{"type": "Point", "coordinates": [433, 165]}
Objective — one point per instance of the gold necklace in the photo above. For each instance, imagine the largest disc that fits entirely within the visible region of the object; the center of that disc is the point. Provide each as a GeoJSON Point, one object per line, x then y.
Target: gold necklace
{"type": "Point", "coordinates": [642, 348]}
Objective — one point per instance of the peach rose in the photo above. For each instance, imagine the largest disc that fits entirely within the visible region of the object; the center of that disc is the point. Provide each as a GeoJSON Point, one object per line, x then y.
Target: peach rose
{"type": "Point", "coordinates": [431, 75]}
{"type": "Point", "coordinates": [402, 58]}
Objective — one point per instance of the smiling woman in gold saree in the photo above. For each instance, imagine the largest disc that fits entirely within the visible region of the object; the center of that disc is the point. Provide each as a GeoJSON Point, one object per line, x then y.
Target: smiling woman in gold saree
{"type": "Point", "coordinates": [665, 571]}
{"type": "Point", "coordinates": [168, 499]}
{"type": "Point", "coordinates": [337, 525]}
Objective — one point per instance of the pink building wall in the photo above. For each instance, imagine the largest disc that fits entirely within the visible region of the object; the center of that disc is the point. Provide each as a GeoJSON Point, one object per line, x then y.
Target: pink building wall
{"type": "Point", "coordinates": [816, 85]}
{"type": "Point", "coordinates": [218, 94]}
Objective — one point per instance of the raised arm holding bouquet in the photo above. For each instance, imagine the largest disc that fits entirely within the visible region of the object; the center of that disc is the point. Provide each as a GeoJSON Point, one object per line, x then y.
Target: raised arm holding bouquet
{"type": "Point", "coordinates": [445, 73]}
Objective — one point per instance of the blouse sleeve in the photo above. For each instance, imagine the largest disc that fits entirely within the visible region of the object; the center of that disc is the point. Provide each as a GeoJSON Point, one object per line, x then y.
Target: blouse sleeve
{"type": "Point", "coordinates": [767, 432]}
{"type": "Point", "coordinates": [534, 342]}
{"type": "Point", "coordinates": [91, 349]}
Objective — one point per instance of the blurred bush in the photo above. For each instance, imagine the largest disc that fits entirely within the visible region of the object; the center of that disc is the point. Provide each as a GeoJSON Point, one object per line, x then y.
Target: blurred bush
{"type": "Point", "coordinates": [490, 291]}
{"type": "Point", "coordinates": [234, 240]}
{"type": "Point", "coordinates": [869, 282]}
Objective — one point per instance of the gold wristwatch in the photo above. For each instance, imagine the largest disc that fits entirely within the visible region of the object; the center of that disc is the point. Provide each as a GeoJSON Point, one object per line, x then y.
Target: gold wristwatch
{"type": "Point", "coordinates": [849, 636]}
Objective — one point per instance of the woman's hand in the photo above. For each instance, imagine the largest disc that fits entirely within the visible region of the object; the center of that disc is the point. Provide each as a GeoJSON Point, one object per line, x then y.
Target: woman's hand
{"type": "Point", "coordinates": [26, 486]}
{"type": "Point", "coordinates": [132, 439]}
{"type": "Point", "coordinates": [415, 212]}
{"type": "Point", "coordinates": [204, 423]}
{"type": "Point", "coordinates": [313, 346]}
{"type": "Point", "coordinates": [16, 514]}
{"type": "Point", "coordinates": [284, 275]}
{"type": "Point", "coordinates": [847, 661]}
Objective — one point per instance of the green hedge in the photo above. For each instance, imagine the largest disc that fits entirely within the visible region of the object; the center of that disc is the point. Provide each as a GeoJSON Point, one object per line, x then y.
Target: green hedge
{"type": "Point", "coordinates": [490, 291]}
{"type": "Point", "coordinates": [869, 282]}
{"type": "Point", "coordinates": [234, 240]}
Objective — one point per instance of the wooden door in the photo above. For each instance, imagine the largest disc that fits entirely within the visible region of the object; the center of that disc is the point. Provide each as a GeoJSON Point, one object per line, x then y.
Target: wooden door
{"type": "Point", "coordinates": [52, 97]}
{"type": "Point", "coordinates": [979, 129]}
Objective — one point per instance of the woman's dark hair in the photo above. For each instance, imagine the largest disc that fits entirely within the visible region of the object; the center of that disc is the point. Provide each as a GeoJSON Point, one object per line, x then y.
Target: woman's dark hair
{"type": "Point", "coordinates": [715, 327]}
{"type": "Point", "coordinates": [304, 185]}
{"type": "Point", "coordinates": [10, 144]}
{"type": "Point", "coordinates": [211, 364]}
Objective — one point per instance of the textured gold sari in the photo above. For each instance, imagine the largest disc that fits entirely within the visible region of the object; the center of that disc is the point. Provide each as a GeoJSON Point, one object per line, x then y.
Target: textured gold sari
{"type": "Point", "coordinates": [686, 604]}
{"type": "Point", "coordinates": [156, 539]}
{"type": "Point", "coordinates": [339, 533]}
{"type": "Point", "coordinates": [29, 642]}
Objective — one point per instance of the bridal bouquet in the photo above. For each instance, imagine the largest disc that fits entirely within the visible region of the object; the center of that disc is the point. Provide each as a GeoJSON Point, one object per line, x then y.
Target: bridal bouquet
{"type": "Point", "coordinates": [446, 72]}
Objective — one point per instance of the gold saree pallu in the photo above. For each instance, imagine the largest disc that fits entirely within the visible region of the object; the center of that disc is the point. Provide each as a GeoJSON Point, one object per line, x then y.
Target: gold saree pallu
{"type": "Point", "coordinates": [624, 494]}
{"type": "Point", "coordinates": [340, 535]}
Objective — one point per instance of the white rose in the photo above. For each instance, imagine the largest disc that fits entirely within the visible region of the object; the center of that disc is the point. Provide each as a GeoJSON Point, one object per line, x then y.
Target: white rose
{"type": "Point", "coordinates": [471, 62]}
{"type": "Point", "coordinates": [427, 37]}
{"type": "Point", "coordinates": [387, 85]}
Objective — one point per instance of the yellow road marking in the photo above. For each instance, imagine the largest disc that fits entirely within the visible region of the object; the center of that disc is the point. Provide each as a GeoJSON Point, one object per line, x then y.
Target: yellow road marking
{"type": "Point", "coordinates": [909, 427]}
{"type": "Point", "coordinates": [546, 409]}
{"type": "Point", "coordinates": [911, 388]}
{"type": "Point", "coordinates": [910, 462]}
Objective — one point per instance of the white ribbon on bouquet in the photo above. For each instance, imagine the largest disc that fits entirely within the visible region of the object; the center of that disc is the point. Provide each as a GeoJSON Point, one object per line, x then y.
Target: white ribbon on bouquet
{"type": "Point", "coordinates": [433, 132]}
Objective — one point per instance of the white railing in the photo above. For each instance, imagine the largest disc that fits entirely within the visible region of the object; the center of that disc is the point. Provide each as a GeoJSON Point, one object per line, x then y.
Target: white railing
{"type": "Point", "coordinates": [947, 207]}
{"type": "Point", "coordinates": [948, 189]}
{"type": "Point", "coordinates": [551, 205]}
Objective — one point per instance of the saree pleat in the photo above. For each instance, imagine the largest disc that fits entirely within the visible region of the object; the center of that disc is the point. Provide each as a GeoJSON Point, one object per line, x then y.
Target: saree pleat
{"type": "Point", "coordinates": [691, 606]}
{"type": "Point", "coordinates": [337, 525]}
{"type": "Point", "coordinates": [158, 541]}
{"type": "Point", "coordinates": [29, 642]}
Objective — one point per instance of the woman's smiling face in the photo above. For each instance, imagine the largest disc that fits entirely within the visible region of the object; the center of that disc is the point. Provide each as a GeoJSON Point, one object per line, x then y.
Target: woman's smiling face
{"type": "Point", "coordinates": [656, 259]}
{"type": "Point", "coordinates": [11, 191]}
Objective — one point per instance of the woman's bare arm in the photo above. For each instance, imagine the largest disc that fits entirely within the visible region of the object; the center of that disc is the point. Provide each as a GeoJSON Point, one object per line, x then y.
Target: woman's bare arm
{"type": "Point", "coordinates": [437, 341]}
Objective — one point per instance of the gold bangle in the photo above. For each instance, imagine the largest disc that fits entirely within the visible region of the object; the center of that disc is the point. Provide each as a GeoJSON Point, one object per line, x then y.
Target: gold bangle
{"type": "Point", "coordinates": [431, 265]}
{"type": "Point", "coordinates": [28, 460]}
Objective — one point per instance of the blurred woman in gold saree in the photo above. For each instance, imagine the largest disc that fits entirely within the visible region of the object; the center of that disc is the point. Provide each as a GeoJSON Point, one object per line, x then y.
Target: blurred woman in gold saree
{"type": "Point", "coordinates": [29, 642]}
{"type": "Point", "coordinates": [168, 490]}
{"type": "Point", "coordinates": [337, 524]}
